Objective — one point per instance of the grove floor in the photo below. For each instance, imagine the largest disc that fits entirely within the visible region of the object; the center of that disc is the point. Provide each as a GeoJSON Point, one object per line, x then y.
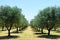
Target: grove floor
{"type": "Point", "coordinates": [27, 34]}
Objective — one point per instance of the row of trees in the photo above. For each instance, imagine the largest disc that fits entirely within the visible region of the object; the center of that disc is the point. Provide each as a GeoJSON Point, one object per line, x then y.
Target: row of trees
{"type": "Point", "coordinates": [48, 18]}
{"type": "Point", "coordinates": [12, 17]}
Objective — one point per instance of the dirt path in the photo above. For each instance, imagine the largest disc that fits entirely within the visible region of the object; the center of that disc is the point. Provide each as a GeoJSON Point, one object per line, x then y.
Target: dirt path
{"type": "Point", "coordinates": [28, 34]}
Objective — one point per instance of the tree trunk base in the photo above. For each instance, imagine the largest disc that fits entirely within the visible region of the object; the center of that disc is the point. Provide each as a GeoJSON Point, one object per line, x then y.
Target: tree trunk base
{"type": "Point", "coordinates": [9, 33]}
{"type": "Point", "coordinates": [48, 32]}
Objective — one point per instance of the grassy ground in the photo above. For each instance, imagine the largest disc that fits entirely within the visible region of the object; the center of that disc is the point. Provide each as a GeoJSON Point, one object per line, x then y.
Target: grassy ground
{"type": "Point", "coordinates": [29, 34]}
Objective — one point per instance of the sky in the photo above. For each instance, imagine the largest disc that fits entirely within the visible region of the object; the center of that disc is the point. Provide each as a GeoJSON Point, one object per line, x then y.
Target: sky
{"type": "Point", "coordinates": [30, 8]}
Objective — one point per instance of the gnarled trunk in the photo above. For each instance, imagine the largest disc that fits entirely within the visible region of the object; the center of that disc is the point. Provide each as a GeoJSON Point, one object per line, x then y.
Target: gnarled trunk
{"type": "Point", "coordinates": [48, 32]}
{"type": "Point", "coordinates": [9, 32]}
{"type": "Point", "coordinates": [9, 28]}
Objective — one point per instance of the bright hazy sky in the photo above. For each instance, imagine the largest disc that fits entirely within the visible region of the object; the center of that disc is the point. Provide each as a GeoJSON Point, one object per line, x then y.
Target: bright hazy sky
{"type": "Point", "coordinates": [30, 8]}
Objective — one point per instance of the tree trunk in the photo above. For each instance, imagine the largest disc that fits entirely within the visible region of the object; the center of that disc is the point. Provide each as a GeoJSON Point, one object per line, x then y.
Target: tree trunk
{"type": "Point", "coordinates": [9, 32]}
{"type": "Point", "coordinates": [49, 32]}
{"type": "Point", "coordinates": [38, 30]}
{"type": "Point", "coordinates": [17, 30]}
{"type": "Point", "coordinates": [42, 31]}
{"type": "Point", "coordinates": [2, 28]}
{"type": "Point", "coordinates": [54, 29]}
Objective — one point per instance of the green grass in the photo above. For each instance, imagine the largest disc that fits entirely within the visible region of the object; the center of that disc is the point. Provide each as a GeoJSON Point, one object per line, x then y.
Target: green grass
{"type": "Point", "coordinates": [28, 34]}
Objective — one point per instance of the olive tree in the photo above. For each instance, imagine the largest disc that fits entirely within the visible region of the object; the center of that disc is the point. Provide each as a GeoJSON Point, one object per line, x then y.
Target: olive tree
{"type": "Point", "coordinates": [47, 18]}
{"type": "Point", "coordinates": [10, 15]}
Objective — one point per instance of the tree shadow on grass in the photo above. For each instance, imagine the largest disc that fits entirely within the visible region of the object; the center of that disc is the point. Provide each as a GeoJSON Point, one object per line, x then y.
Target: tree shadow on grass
{"type": "Point", "coordinates": [58, 31]}
{"type": "Point", "coordinates": [16, 32]}
{"type": "Point", "coordinates": [50, 37]}
{"type": "Point", "coordinates": [7, 37]}
{"type": "Point", "coordinates": [39, 33]}
{"type": "Point", "coordinates": [2, 30]}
